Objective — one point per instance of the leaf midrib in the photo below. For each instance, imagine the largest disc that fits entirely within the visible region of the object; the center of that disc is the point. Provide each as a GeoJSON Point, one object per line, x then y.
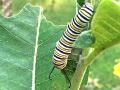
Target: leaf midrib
{"type": "Point", "coordinates": [36, 48]}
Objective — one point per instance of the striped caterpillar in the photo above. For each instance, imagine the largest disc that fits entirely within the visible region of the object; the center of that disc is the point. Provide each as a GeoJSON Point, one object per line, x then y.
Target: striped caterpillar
{"type": "Point", "coordinates": [73, 30]}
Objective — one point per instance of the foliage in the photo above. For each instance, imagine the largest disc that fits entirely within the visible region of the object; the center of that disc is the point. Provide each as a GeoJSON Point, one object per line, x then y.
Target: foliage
{"type": "Point", "coordinates": [57, 8]}
{"type": "Point", "coordinates": [18, 35]}
{"type": "Point", "coordinates": [110, 37]}
{"type": "Point", "coordinates": [18, 39]}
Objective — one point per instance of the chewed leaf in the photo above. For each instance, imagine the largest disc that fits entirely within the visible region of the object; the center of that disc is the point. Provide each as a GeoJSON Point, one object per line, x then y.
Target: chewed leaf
{"type": "Point", "coordinates": [24, 66]}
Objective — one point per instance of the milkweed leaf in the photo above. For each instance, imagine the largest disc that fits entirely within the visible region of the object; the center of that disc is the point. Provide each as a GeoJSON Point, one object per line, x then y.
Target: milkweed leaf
{"type": "Point", "coordinates": [105, 27]}
{"type": "Point", "coordinates": [19, 35]}
{"type": "Point", "coordinates": [27, 42]}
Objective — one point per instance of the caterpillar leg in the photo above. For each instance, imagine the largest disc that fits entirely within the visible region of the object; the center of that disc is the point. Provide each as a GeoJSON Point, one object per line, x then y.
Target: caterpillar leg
{"type": "Point", "coordinates": [51, 72]}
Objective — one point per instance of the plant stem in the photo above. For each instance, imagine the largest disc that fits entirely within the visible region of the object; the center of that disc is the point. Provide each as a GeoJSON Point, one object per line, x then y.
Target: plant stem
{"type": "Point", "coordinates": [80, 71]}
{"type": "Point", "coordinates": [78, 77]}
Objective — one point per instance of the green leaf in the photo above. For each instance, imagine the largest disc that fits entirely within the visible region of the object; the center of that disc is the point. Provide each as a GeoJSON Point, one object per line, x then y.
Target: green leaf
{"type": "Point", "coordinates": [49, 35]}
{"type": "Point", "coordinates": [85, 39]}
{"type": "Point", "coordinates": [17, 42]}
{"type": "Point", "coordinates": [22, 64]}
{"type": "Point", "coordinates": [105, 24]}
{"type": "Point", "coordinates": [103, 67]}
{"type": "Point", "coordinates": [17, 51]}
{"type": "Point", "coordinates": [105, 27]}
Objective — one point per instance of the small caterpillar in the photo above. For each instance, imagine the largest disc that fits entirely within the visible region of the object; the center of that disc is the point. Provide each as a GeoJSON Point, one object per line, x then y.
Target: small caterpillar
{"type": "Point", "coordinates": [74, 28]}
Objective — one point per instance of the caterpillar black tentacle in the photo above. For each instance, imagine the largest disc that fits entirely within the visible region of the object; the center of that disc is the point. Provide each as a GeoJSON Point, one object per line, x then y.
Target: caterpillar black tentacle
{"type": "Point", "coordinates": [51, 73]}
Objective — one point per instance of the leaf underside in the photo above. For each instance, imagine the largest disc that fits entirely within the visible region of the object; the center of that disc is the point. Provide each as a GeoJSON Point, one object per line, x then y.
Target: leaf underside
{"type": "Point", "coordinates": [17, 41]}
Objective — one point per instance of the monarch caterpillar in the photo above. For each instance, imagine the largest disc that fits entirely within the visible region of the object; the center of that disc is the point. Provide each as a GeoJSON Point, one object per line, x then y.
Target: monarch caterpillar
{"type": "Point", "coordinates": [74, 28]}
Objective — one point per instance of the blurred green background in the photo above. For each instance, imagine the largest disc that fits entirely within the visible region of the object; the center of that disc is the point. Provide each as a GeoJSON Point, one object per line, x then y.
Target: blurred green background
{"type": "Point", "coordinates": [60, 12]}
{"type": "Point", "coordinates": [57, 11]}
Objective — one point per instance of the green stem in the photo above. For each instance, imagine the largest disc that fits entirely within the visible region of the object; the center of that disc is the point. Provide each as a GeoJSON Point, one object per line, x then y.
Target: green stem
{"type": "Point", "coordinates": [80, 71]}
{"type": "Point", "coordinates": [78, 77]}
